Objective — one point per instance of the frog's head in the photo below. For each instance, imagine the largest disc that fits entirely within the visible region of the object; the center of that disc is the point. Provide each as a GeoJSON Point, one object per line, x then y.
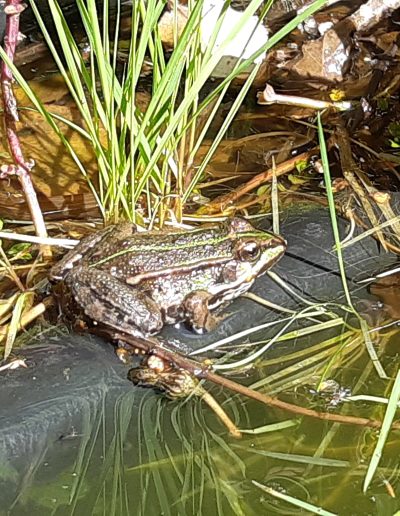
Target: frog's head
{"type": "Point", "coordinates": [253, 252]}
{"type": "Point", "coordinates": [256, 249]}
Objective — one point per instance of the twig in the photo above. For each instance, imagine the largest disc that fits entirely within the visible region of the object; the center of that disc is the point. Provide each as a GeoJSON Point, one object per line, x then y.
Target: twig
{"type": "Point", "coordinates": [60, 242]}
{"type": "Point", "coordinates": [268, 97]}
{"type": "Point", "coordinates": [219, 411]}
{"type": "Point", "coordinates": [223, 202]}
{"type": "Point", "coordinates": [156, 348]}
{"type": "Point", "coordinates": [14, 364]}
{"type": "Point", "coordinates": [21, 168]}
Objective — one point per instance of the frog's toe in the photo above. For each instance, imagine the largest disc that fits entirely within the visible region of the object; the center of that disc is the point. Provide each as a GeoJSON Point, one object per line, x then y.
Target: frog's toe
{"type": "Point", "coordinates": [199, 330]}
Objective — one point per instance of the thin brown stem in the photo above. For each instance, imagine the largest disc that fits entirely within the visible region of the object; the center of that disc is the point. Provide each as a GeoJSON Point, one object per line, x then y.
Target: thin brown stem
{"type": "Point", "coordinates": [218, 411]}
{"type": "Point", "coordinates": [21, 168]}
{"type": "Point", "coordinates": [224, 202]}
{"type": "Point", "coordinates": [199, 370]}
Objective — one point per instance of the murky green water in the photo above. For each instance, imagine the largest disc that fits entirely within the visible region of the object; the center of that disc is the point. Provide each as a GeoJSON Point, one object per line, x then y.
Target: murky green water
{"type": "Point", "coordinates": [147, 455]}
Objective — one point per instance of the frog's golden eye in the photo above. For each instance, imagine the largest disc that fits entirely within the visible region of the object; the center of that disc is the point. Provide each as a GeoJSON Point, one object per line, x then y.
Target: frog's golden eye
{"type": "Point", "coordinates": [248, 251]}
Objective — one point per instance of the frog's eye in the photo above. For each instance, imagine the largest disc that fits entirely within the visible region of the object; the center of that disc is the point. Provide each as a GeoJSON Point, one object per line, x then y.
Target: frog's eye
{"type": "Point", "coordinates": [248, 251]}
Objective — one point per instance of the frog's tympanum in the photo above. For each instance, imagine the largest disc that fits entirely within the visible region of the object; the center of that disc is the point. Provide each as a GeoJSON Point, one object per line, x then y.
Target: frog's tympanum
{"type": "Point", "coordinates": [137, 282]}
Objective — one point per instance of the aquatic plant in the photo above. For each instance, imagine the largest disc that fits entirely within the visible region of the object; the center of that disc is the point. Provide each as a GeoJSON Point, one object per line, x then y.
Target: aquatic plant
{"type": "Point", "coordinates": [147, 157]}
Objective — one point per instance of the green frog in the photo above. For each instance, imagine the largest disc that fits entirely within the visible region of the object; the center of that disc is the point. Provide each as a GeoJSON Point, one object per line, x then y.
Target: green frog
{"type": "Point", "coordinates": [136, 282]}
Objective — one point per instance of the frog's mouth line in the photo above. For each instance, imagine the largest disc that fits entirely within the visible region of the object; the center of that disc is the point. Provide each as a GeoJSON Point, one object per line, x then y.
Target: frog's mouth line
{"type": "Point", "coordinates": [244, 281]}
{"type": "Point", "coordinates": [271, 260]}
{"type": "Point", "coordinates": [229, 294]}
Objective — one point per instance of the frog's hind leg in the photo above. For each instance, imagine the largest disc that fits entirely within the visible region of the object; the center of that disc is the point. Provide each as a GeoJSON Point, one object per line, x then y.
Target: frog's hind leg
{"type": "Point", "coordinates": [106, 300]}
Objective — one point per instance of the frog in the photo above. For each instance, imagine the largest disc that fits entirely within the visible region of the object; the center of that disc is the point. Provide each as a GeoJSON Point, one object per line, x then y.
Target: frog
{"type": "Point", "coordinates": [137, 282]}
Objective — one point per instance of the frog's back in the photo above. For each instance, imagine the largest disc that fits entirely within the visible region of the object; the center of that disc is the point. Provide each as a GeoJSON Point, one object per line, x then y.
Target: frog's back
{"type": "Point", "coordinates": [157, 251]}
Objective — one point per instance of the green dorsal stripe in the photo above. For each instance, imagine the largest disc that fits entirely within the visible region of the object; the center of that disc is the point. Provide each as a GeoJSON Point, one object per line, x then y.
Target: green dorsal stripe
{"type": "Point", "coordinates": [187, 245]}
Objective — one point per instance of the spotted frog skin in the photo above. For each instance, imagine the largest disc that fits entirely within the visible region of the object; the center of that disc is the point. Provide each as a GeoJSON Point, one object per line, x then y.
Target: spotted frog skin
{"type": "Point", "coordinates": [137, 282]}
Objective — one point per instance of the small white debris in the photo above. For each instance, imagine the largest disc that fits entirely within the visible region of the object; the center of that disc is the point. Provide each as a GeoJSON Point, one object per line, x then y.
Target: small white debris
{"type": "Point", "coordinates": [324, 27]}
{"type": "Point", "coordinates": [14, 364]}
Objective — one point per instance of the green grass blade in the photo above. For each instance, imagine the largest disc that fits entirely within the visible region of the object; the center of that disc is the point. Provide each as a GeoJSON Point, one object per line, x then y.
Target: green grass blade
{"type": "Point", "coordinates": [332, 211]}
{"type": "Point", "coordinates": [384, 432]}
{"type": "Point", "coordinates": [293, 501]}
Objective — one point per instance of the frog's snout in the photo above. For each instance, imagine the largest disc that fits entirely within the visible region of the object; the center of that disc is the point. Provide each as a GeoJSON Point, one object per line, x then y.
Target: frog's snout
{"type": "Point", "coordinates": [274, 248]}
{"type": "Point", "coordinates": [278, 242]}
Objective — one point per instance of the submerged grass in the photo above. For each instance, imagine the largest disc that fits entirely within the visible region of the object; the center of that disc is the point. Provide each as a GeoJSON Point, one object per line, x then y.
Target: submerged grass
{"type": "Point", "coordinates": [390, 413]}
{"type": "Point", "coordinates": [293, 501]}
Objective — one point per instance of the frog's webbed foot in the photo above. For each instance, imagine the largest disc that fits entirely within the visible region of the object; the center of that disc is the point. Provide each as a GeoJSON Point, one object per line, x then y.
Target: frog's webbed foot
{"type": "Point", "coordinates": [106, 300]}
{"type": "Point", "coordinates": [198, 312]}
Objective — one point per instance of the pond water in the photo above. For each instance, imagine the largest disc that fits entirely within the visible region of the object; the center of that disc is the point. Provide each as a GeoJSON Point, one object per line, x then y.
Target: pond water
{"type": "Point", "coordinates": [130, 451]}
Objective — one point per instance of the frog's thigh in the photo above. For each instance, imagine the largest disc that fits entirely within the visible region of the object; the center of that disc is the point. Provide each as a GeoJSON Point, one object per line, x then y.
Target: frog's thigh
{"type": "Point", "coordinates": [108, 301]}
{"type": "Point", "coordinates": [198, 313]}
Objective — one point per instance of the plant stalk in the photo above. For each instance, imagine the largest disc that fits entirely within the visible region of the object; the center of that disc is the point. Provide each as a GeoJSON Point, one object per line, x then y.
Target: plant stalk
{"type": "Point", "coordinates": [21, 168]}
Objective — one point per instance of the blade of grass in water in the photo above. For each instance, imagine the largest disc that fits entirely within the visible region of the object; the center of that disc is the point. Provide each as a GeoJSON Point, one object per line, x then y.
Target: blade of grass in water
{"type": "Point", "coordinates": [338, 248]}
{"type": "Point", "coordinates": [153, 445]}
{"type": "Point", "coordinates": [293, 501]}
{"type": "Point", "coordinates": [332, 211]}
{"type": "Point", "coordinates": [384, 431]}
{"type": "Point", "coordinates": [263, 349]}
{"type": "Point", "coordinates": [273, 427]}
{"type": "Point", "coordinates": [301, 459]}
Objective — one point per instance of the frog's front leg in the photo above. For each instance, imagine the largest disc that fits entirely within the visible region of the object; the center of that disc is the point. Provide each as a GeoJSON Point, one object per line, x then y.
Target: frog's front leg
{"type": "Point", "coordinates": [106, 300]}
{"type": "Point", "coordinates": [198, 312]}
